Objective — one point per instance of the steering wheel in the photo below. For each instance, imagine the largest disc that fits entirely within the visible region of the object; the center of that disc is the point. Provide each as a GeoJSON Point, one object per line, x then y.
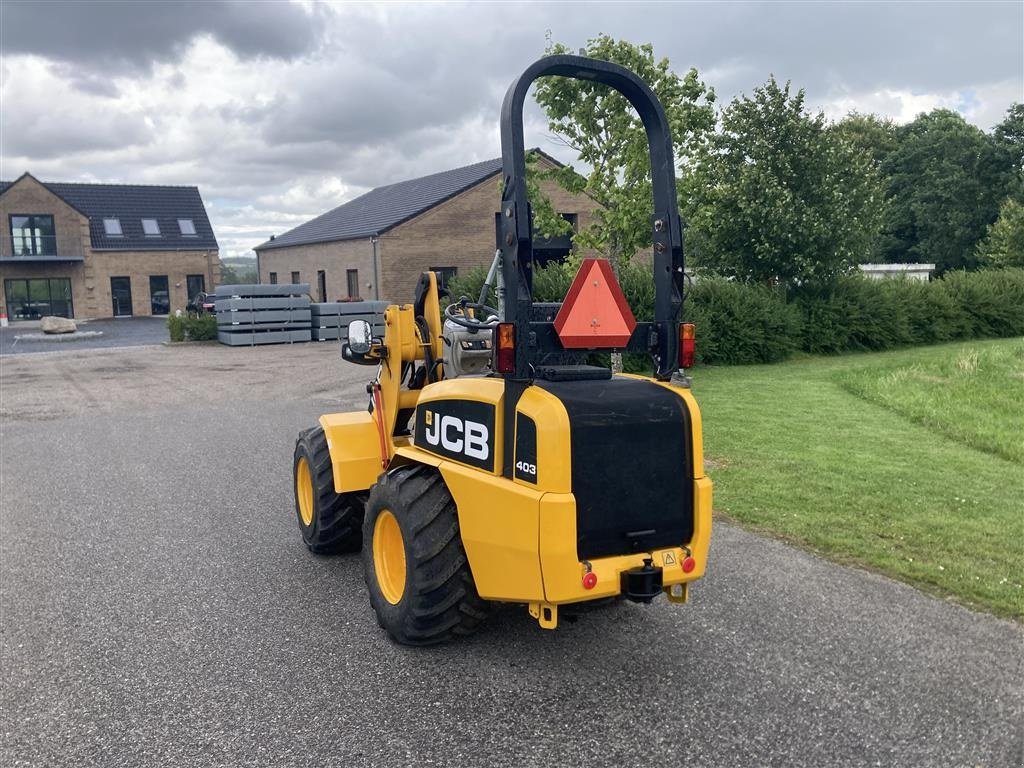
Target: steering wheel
{"type": "Point", "coordinates": [456, 312]}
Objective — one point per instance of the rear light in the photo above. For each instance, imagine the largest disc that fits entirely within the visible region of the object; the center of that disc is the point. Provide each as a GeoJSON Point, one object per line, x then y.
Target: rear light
{"type": "Point", "coordinates": [589, 580]}
{"type": "Point", "coordinates": [687, 344]}
{"type": "Point", "coordinates": [689, 564]}
{"type": "Point", "coordinates": [505, 348]}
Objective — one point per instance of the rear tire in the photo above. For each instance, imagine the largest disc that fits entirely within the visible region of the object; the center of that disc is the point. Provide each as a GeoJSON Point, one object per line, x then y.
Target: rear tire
{"type": "Point", "coordinates": [329, 522]}
{"type": "Point", "coordinates": [416, 569]}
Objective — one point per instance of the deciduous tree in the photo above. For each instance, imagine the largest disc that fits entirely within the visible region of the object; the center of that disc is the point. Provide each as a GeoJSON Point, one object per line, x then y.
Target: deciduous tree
{"type": "Point", "coordinates": [601, 125]}
{"type": "Point", "coordinates": [777, 197]}
{"type": "Point", "coordinates": [1003, 245]}
{"type": "Point", "coordinates": [945, 182]}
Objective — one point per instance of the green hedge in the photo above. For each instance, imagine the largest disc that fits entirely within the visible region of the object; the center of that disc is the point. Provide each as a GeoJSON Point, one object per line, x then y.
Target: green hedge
{"type": "Point", "coordinates": [192, 327]}
{"type": "Point", "coordinates": [740, 323]}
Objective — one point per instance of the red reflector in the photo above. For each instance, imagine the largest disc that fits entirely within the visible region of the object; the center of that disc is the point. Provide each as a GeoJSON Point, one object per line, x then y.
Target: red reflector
{"type": "Point", "coordinates": [687, 345]}
{"type": "Point", "coordinates": [589, 580]}
{"type": "Point", "coordinates": [595, 313]}
{"type": "Point", "coordinates": [505, 348]}
{"type": "Point", "coordinates": [689, 564]}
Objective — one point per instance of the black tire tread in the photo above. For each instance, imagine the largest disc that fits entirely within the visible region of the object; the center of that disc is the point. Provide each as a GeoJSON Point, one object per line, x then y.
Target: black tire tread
{"type": "Point", "coordinates": [338, 517]}
{"type": "Point", "coordinates": [441, 601]}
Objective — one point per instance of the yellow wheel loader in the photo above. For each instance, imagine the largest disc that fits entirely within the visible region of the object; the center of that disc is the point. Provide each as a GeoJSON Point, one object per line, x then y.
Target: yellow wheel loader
{"type": "Point", "coordinates": [493, 464]}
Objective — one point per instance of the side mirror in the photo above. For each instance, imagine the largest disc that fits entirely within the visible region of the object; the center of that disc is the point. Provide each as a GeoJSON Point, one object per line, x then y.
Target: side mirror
{"type": "Point", "coordinates": [359, 336]}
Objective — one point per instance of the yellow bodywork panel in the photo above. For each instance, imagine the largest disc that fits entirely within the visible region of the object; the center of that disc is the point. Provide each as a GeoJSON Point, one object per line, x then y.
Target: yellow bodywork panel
{"type": "Point", "coordinates": [498, 523]}
{"type": "Point", "coordinates": [480, 390]}
{"type": "Point", "coordinates": [354, 443]}
{"type": "Point", "coordinates": [563, 573]}
{"type": "Point", "coordinates": [554, 470]}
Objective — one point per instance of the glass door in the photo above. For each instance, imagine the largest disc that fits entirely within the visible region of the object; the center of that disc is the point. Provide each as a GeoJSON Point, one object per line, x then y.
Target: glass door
{"type": "Point", "coordinates": [195, 284]}
{"type": "Point", "coordinates": [30, 299]}
{"type": "Point", "coordinates": [121, 296]}
{"type": "Point", "coordinates": [159, 295]}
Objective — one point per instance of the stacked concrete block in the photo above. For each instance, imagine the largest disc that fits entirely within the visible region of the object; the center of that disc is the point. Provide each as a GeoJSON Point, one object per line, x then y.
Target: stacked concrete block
{"type": "Point", "coordinates": [330, 320]}
{"type": "Point", "coordinates": [248, 315]}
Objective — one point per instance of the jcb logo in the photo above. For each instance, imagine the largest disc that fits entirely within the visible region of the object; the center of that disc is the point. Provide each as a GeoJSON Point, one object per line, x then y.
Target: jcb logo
{"type": "Point", "coordinates": [470, 438]}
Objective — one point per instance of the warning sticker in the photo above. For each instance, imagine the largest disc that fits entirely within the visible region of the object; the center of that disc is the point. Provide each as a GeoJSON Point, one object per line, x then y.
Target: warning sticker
{"type": "Point", "coordinates": [668, 558]}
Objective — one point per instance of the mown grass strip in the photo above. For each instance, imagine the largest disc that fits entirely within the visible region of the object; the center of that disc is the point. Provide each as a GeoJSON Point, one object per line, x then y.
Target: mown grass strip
{"type": "Point", "coordinates": [795, 453]}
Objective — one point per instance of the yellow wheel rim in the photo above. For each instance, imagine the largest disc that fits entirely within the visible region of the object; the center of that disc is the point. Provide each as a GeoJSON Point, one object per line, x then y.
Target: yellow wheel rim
{"type": "Point", "coordinates": [389, 556]}
{"type": "Point", "coordinates": [304, 491]}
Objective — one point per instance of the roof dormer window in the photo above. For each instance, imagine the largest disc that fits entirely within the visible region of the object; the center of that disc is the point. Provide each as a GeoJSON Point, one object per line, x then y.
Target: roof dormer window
{"type": "Point", "coordinates": [150, 228]}
{"type": "Point", "coordinates": [187, 227]}
{"type": "Point", "coordinates": [112, 227]}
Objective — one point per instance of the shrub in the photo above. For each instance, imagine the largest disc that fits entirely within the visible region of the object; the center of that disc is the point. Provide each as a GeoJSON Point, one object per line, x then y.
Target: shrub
{"type": "Point", "coordinates": [989, 303]}
{"type": "Point", "coordinates": [192, 328]}
{"type": "Point", "coordinates": [740, 323]}
{"type": "Point", "coordinates": [854, 313]}
{"type": "Point", "coordinates": [201, 327]}
{"type": "Point", "coordinates": [176, 327]}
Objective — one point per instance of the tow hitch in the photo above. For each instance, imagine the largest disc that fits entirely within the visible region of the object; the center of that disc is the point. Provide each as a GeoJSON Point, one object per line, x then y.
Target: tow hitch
{"type": "Point", "coordinates": [641, 585]}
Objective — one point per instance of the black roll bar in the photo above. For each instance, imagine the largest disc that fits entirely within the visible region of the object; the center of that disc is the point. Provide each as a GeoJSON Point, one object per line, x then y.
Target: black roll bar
{"type": "Point", "coordinates": [516, 227]}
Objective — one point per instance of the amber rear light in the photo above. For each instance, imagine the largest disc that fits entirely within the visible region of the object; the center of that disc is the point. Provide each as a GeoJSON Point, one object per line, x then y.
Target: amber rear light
{"type": "Point", "coordinates": [505, 348]}
{"type": "Point", "coordinates": [687, 344]}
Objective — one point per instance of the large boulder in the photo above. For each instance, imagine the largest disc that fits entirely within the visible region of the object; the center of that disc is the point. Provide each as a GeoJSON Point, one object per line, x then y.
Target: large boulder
{"type": "Point", "coordinates": [57, 325]}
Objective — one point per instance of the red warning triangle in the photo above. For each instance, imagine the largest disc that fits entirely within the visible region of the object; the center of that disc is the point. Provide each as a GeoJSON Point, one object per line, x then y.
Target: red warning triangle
{"type": "Point", "coordinates": [595, 313]}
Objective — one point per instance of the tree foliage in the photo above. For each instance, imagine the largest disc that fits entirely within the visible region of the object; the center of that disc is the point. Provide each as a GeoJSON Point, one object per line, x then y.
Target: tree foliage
{"type": "Point", "coordinates": [1003, 245]}
{"type": "Point", "coordinates": [1009, 137]}
{"type": "Point", "coordinates": [875, 136]}
{"type": "Point", "coordinates": [601, 125]}
{"type": "Point", "coordinates": [777, 196]}
{"type": "Point", "coordinates": [945, 181]}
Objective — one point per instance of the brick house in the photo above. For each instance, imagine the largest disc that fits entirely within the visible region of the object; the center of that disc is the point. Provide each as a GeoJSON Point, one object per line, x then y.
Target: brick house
{"type": "Point", "coordinates": [102, 250]}
{"type": "Point", "coordinates": [376, 246]}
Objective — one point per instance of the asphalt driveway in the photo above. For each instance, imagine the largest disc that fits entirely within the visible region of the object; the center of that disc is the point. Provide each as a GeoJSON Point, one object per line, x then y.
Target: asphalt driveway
{"type": "Point", "coordinates": [117, 332]}
{"type": "Point", "coordinates": [158, 608]}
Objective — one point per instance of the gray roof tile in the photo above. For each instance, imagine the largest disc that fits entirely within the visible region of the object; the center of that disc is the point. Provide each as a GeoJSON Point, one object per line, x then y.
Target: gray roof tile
{"type": "Point", "coordinates": [130, 203]}
{"type": "Point", "coordinates": [385, 207]}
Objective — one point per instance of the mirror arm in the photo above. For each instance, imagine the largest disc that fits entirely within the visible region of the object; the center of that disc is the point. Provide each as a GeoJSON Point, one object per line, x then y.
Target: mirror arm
{"type": "Point", "coordinates": [371, 357]}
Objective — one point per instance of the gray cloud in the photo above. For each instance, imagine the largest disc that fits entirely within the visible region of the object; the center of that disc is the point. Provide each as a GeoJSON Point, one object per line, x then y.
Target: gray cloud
{"type": "Point", "coordinates": [118, 36]}
{"type": "Point", "coordinates": [331, 101]}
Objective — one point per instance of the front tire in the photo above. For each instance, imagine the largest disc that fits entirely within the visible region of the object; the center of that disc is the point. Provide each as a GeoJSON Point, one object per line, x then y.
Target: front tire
{"type": "Point", "coordinates": [416, 569]}
{"type": "Point", "coordinates": [329, 522]}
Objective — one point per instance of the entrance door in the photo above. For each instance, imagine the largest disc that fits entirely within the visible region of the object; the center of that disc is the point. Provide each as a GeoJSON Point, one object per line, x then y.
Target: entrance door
{"type": "Point", "coordinates": [321, 284]}
{"type": "Point", "coordinates": [121, 296]}
{"type": "Point", "coordinates": [159, 296]}
{"type": "Point", "coordinates": [194, 285]}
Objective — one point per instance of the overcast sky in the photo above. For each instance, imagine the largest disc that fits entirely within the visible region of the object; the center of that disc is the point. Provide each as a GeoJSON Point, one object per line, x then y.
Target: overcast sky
{"type": "Point", "coordinates": [280, 111]}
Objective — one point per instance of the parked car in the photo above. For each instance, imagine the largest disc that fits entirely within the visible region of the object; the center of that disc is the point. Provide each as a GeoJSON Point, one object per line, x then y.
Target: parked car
{"type": "Point", "coordinates": [203, 303]}
{"type": "Point", "coordinates": [161, 303]}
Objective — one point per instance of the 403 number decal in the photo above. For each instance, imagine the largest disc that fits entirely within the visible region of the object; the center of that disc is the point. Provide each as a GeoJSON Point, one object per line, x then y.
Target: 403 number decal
{"type": "Point", "coordinates": [526, 469]}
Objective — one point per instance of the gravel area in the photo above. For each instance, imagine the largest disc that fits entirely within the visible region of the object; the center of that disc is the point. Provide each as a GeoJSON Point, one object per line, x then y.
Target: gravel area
{"type": "Point", "coordinates": [159, 609]}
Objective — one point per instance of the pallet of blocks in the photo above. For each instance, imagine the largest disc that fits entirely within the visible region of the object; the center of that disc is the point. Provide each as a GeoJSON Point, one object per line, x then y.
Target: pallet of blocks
{"type": "Point", "coordinates": [248, 315]}
{"type": "Point", "coordinates": [330, 320]}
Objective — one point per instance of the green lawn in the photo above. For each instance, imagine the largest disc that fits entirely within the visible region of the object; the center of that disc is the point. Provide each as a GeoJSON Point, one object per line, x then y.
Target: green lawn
{"type": "Point", "coordinates": [910, 462]}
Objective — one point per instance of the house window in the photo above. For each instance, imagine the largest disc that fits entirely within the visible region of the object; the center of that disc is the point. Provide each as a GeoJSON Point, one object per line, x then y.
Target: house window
{"type": "Point", "coordinates": [295, 278]}
{"type": "Point", "coordinates": [444, 275]}
{"type": "Point", "coordinates": [186, 227]}
{"type": "Point", "coordinates": [195, 284]}
{"type": "Point", "coordinates": [321, 285]}
{"type": "Point", "coordinates": [32, 299]}
{"type": "Point", "coordinates": [33, 235]}
{"type": "Point", "coordinates": [352, 277]}
{"type": "Point", "coordinates": [112, 227]}
{"type": "Point", "coordinates": [572, 218]}
{"type": "Point", "coordinates": [150, 228]}
{"type": "Point", "coordinates": [273, 278]}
